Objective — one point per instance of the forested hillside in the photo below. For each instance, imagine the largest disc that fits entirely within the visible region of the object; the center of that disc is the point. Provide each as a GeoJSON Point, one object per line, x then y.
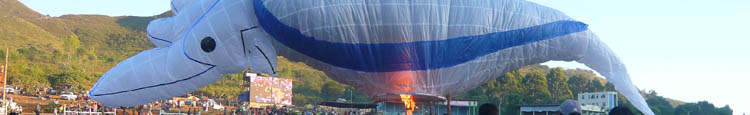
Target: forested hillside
{"type": "Point", "coordinates": [70, 49]}
{"type": "Point", "coordinates": [539, 84]}
{"type": "Point", "coordinates": [77, 49]}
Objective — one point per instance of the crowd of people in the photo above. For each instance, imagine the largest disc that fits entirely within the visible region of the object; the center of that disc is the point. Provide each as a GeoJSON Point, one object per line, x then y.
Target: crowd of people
{"type": "Point", "coordinates": [336, 112]}
{"type": "Point", "coordinates": [196, 105]}
{"type": "Point", "coordinates": [289, 110]}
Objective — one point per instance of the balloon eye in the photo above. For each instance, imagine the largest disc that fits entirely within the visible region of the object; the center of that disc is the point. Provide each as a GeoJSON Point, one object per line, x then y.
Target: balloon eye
{"type": "Point", "coordinates": [208, 44]}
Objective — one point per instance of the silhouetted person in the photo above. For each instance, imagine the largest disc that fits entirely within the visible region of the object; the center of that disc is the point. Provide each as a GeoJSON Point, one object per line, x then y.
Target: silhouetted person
{"type": "Point", "coordinates": [38, 109]}
{"type": "Point", "coordinates": [570, 107]}
{"type": "Point", "coordinates": [488, 109]}
{"type": "Point", "coordinates": [619, 110]}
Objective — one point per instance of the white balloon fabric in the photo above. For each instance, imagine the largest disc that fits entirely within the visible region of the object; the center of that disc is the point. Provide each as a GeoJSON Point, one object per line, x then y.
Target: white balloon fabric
{"type": "Point", "coordinates": [432, 47]}
{"type": "Point", "coordinates": [203, 41]}
{"type": "Point", "coordinates": [383, 48]}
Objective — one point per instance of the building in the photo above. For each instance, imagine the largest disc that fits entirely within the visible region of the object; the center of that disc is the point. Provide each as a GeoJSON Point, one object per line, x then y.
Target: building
{"type": "Point", "coordinates": [604, 100]}
{"type": "Point", "coordinates": [554, 109]}
{"type": "Point", "coordinates": [595, 103]}
{"type": "Point", "coordinates": [542, 109]}
{"type": "Point", "coordinates": [347, 107]}
{"type": "Point", "coordinates": [592, 110]}
{"type": "Point", "coordinates": [458, 107]}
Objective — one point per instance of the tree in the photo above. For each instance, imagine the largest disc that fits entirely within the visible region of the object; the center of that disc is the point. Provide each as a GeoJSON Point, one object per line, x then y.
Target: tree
{"type": "Point", "coordinates": [537, 91]}
{"type": "Point", "coordinates": [511, 82]}
{"type": "Point", "coordinates": [687, 108]}
{"type": "Point", "coordinates": [577, 84]}
{"type": "Point", "coordinates": [356, 96]}
{"type": "Point", "coordinates": [702, 108]}
{"type": "Point", "coordinates": [511, 103]}
{"type": "Point", "coordinates": [595, 85]}
{"type": "Point", "coordinates": [72, 43]}
{"type": "Point", "coordinates": [724, 110]}
{"type": "Point", "coordinates": [333, 90]}
{"type": "Point", "coordinates": [558, 85]}
{"type": "Point", "coordinates": [609, 87]}
{"type": "Point", "coordinates": [660, 105]}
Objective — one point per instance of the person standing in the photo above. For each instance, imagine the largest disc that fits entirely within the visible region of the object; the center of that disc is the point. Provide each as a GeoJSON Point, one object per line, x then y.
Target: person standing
{"type": "Point", "coordinates": [61, 109]}
{"type": "Point", "coordinates": [149, 108]}
{"type": "Point", "coordinates": [619, 110]}
{"type": "Point", "coordinates": [488, 109]}
{"type": "Point", "coordinates": [570, 107]}
{"type": "Point", "coordinates": [38, 109]}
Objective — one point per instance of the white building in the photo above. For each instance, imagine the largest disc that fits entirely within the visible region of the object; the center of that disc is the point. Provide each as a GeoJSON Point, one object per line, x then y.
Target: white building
{"type": "Point", "coordinates": [541, 109]}
{"type": "Point", "coordinates": [604, 100]}
{"type": "Point", "coordinates": [592, 110]}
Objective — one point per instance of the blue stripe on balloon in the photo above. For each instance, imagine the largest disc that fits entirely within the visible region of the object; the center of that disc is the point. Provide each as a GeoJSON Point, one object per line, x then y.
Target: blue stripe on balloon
{"type": "Point", "coordinates": [420, 55]}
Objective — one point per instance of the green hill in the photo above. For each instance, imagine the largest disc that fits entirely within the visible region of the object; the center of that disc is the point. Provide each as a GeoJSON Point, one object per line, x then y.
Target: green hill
{"type": "Point", "coordinates": [77, 49]}
{"type": "Point", "coordinates": [540, 84]}
{"type": "Point", "coordinates": [71, 49]}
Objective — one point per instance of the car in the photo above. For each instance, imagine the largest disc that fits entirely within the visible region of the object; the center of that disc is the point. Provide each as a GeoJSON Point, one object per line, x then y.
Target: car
{"type": "Point", "coordinates": [52, 91]}
{"type": "Point", "coordinates": [211, 103]}
{"type": "Point", "coordinates": [217, 107]}
{"type": "Point", "coordinates": [68, 96]}
{"type": "Point", "coordinates": [10, 90]}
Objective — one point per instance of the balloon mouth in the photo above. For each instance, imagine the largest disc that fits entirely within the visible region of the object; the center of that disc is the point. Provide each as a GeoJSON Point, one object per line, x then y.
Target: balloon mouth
{"type": "Point", "coordinates": [414, 97]}
{"type": "Point", "coordinates": [247, 42]}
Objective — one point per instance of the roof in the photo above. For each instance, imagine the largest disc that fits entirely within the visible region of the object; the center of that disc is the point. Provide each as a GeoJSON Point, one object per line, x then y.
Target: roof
{"type": "Point", "coordinates": [541, 105]}
{"type": "Point", "coordinates": [540, 108]}
{"type": "Point", "coordinates": [348, 105]}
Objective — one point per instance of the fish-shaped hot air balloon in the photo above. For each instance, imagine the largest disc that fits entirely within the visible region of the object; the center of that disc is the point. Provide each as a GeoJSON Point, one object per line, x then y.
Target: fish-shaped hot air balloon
{"type": "Point", "coordinates": [384, 48]}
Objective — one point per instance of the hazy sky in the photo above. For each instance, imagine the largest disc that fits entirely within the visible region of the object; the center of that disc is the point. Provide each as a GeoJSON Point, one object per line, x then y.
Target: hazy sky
{"type": "Point", "coordinates": [106, 7]}
{"type": "Point", "coordinates": [690, 50]}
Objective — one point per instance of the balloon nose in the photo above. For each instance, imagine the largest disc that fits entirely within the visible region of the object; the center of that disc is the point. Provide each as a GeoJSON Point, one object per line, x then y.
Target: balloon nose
{"type": "Point", "coordinates": [259, 50]}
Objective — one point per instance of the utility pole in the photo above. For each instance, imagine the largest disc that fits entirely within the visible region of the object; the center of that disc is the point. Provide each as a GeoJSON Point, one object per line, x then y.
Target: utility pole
{"type": "Point", "coordinates": [249, 88]}
{"type": "Point", "coordinates": [5, 73]}
{"type": "Point", "coordinates": [448, 103]}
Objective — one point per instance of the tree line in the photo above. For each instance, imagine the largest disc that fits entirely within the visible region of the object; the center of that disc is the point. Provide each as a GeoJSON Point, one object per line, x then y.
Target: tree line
{"type": "Point", "coordinates": [539, 84]}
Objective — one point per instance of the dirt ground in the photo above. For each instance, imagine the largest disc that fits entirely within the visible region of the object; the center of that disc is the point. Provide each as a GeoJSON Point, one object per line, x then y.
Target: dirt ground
{"type": "Point", "coordinates": [29, 103]}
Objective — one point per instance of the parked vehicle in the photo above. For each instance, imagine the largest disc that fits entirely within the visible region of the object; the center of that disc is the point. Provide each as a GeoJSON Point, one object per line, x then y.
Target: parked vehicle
{"type": "Point", "coordinates": [10, 90]}
{"type": "Point", "coordinates": [211, 103]}
{"type": "Point", "coordinates": [68, 96]}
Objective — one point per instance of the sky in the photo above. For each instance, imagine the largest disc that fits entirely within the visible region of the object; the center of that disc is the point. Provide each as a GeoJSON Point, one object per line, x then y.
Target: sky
{"type": "Point", "coordinates": [104, 7]}
{"type": "Point", "coordinates": [689, 50]}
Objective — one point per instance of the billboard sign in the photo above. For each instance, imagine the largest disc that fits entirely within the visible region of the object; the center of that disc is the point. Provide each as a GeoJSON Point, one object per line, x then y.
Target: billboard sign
{"type": "Point", "coordinates": [270, 90]}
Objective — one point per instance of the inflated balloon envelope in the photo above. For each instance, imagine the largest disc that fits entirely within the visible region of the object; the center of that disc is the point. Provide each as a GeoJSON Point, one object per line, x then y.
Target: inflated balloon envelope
{"type": "Point", "coordinates": [383, 48]}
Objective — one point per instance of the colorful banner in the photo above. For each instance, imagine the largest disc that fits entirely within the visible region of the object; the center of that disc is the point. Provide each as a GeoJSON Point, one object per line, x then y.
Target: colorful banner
{"type": "Point", "coordinates": [270, 90]}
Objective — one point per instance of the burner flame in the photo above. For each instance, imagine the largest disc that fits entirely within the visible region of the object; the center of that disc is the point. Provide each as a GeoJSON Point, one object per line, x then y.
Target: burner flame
{"type": "Point", "coordinates": [409, 103]}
